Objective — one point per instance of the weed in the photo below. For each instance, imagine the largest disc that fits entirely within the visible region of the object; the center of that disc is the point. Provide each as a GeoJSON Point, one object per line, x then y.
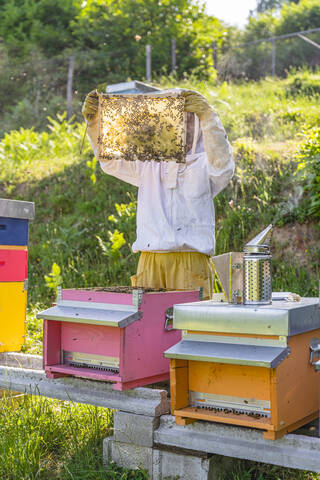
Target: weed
{"type": "Point", "coordinates": [246, 470]}
{"type": "Point", "coordinates": [54, 279]}
{"type": "Point", "coordinates": [42, 439]}
{"type": "Point", "coordinates": [309, 170]}
{"type": "Point", "coordinates": [37, 432]}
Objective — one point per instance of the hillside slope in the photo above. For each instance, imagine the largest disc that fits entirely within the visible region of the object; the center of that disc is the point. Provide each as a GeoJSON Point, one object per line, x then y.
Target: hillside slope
{"type": "Point", "coordinates": [85, 220]}
{"type": "Point", "coordinates": [85, 225]}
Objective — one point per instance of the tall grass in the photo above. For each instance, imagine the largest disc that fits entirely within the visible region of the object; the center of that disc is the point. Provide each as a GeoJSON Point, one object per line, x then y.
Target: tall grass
{"type": "Point", "coordinates": [270, 109]}
{"type": "Point", "coordinates": [245, 470]}
{"type": "Point", "coordinates": [44, 439]}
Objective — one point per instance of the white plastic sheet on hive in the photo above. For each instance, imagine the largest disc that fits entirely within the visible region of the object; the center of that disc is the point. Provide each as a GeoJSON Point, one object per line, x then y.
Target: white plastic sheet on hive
{"type": "Point", "coordinates": [142, 127]}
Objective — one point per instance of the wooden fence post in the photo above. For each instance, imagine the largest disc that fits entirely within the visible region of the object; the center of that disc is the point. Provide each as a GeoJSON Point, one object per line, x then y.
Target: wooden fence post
{"type": "Point", "coordinates": [69, 87]}
{"type": "Point", "coordinates": [274, 47]}
{"type": "Point", "coordinates": [148, 63]}
{"type": "Point", "coordinates": [173, 55]}
{"type": "Point", "coordinates": [215, 55]}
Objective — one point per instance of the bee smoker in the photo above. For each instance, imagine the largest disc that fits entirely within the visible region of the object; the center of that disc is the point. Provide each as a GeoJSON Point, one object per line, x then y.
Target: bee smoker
{"type": "Point", "coordinates": [257, 289]}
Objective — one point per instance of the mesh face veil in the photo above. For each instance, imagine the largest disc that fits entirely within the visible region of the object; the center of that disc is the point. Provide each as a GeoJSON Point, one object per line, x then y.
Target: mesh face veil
{"type": "Point", "coordinates": [190, 120]}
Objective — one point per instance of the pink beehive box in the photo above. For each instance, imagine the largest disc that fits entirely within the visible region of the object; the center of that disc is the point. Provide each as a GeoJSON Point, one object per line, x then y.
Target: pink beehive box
{"type": "Point", "coordinates": [110, 336]}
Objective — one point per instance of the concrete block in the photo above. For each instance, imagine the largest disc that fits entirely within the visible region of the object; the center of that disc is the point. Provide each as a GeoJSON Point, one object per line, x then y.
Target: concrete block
{"type": "Point", "coordinates": [142, 401]}
{"type": "Point", "coordinates": [21, 360]}
{"type": "Point", "coordinates": [135, 429]}
{"type": "Point", "coordinates": [187, 466]}
{"type": "Point", "coordinates": [165, 465]}
{"type": "Point", "coordinates": [169, 465]}
{"type": "Point", "coordinates": [106, 446]}
{"type": "Point", "coordinates": [294, 451]}
{"type": "Point", "coordinates": [127, 455]}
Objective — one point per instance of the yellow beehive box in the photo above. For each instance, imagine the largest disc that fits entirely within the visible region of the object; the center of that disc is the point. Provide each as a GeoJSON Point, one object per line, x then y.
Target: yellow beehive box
{"type": "Point", "coordinates": [13, 302]}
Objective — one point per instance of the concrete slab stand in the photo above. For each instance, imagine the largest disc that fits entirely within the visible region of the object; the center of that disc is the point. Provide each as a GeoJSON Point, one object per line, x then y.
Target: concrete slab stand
{"type": "Point", "coordinates": [21, 360]}
{"type": "Point", "coordinates": [293, 451]}
{"type": "Point", "coordinates": [203, 450]}
{"type": "Point", "coordinates": [140, 401]}
{"type": "Point", "coordinates": [133, 446]}
{"type": "Point", "coordinates": [161, 464]}
{"type": "Point", "coordinates": [146, 436]}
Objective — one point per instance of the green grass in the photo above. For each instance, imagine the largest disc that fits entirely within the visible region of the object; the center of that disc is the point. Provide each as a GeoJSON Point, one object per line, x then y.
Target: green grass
{"type": "Point", "coordinates": [246, 470]}
{"type": "Point", "coordinates": [34, 334]}
{"type": "Point", "coordinates": [85, 224]}
{"type": "Point", "coordinates": [47, 439]}
{"type": "Point", "coordinates": [267, 109]}
{"type": "Point", "coordinates": [44, 439]}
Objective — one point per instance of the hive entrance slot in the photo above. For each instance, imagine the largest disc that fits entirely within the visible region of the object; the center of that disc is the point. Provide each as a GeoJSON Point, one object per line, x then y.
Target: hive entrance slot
{"type": "Point", "coordinates": [229, 405]}
{"type": "Point", "coordinates": [94, 367]}
{"type": "Point", "coordinates": [232, 411]}
{"type": "Point", "coordinates": [89, 360]}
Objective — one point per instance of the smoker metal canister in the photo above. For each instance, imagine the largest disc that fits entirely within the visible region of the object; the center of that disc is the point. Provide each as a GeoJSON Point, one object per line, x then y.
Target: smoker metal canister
{"type": "Point", "coordinates": [257, 281]}
{"type": "Point", "coordinates": [257, 288]}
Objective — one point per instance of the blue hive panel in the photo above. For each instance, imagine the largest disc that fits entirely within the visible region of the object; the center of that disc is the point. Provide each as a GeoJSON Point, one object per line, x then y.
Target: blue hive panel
{"type": "Point", "coordinates": [13, 231]}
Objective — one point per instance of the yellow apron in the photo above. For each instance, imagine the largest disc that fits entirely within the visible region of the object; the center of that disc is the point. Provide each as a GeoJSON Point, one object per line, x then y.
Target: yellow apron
{"type": "Point", "coordinates": [175, 271]}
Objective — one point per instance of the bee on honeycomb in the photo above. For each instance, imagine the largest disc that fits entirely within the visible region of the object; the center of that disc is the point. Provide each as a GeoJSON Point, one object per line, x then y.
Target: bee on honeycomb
{"type": "Point", "coordinates": [142, 127]}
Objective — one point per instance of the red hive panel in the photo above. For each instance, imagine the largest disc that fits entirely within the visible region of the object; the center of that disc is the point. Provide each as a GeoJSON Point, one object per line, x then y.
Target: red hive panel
{"type": "Point", "coordinates": [13, 265]}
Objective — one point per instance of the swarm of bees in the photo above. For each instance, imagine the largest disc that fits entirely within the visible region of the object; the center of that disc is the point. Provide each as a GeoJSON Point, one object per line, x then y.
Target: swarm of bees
{"type": "Point", "coordinates": [142, 127]}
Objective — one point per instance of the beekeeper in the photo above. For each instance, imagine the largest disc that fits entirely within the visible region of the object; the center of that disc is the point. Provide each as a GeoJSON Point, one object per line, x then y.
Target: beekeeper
{"type": "Point", "coordinates": [175, 213]}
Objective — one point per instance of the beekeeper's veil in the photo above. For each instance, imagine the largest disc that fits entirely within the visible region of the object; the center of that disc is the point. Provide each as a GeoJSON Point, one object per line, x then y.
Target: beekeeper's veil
{"type": "Point", "coordinates": [194, 138]}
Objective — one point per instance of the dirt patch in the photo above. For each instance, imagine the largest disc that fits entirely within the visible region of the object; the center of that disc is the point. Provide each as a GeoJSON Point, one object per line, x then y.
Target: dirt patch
{"type": "Point", "coordinates": [296, 242]}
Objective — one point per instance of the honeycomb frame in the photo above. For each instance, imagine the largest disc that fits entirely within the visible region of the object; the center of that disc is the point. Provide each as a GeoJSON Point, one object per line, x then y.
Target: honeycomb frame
{"type": "Point", "coordinates": [142, 127]}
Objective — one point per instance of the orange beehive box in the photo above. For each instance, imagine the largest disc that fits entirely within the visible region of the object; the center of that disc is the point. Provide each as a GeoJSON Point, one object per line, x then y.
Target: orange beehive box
{"type": "Point", "coordinates": [246, 365]}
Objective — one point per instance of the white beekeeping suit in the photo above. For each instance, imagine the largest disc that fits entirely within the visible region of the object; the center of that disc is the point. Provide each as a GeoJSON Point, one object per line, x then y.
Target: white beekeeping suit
{"type": "Point", "coordinates": [175, 208]}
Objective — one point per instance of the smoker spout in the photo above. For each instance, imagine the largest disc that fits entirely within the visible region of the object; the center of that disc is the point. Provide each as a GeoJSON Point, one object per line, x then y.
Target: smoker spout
{"type": "Point", "coordinates": [263, 238]}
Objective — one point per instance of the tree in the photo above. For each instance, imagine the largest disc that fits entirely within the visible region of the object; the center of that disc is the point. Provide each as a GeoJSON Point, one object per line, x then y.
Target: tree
{"type": "Point", "coordinates": [264, 5]}
{"type": "Point", "coordinates": [302, 16]}
{"type": "Point", "coordinates": [30, 24]}
{"type": "Point", "coordinates": [295, 52]}
{"type": "Point", "coordinates": [255, 60]}
{"type": "Point", "coordinates": [118, 32]}
{"type": "Point", "coordinates": [108, 40]}
{"type": "Point", "coordinates": [113, 32]}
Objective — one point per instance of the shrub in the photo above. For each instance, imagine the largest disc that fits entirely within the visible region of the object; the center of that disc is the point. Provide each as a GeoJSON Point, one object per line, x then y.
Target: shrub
{"type": "Point", "coordinates": [309, 170]}
{"type": "Point", "coordinates": [303, 83]}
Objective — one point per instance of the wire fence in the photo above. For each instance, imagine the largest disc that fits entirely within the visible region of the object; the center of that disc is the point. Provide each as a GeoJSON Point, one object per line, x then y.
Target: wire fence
{"type": "Point", "coordinates": [273, 55]}
{"type": "Point", "coordinates": [44, 86]}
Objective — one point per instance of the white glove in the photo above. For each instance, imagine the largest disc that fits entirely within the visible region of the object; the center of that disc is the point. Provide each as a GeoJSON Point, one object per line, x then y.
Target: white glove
{"type": "Point", "coordinates": [196, 103]}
